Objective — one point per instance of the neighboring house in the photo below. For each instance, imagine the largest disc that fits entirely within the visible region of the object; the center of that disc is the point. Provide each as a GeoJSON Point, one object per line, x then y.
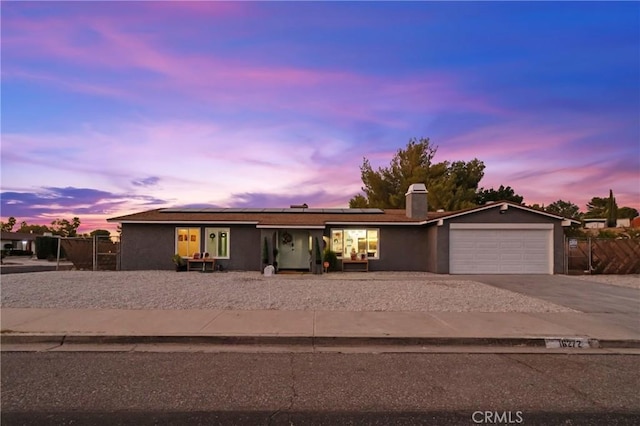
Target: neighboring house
{"type": "Point", "coordinates": [623, 223]}
{"type": "Point", "coordinates": [18, 241]}
{"type": "Point", "coordinates": [498, 238]}
{"type": "Point", "coordinates": [599, 223]}
{"type": "Point", "coordinates": [635, 223]}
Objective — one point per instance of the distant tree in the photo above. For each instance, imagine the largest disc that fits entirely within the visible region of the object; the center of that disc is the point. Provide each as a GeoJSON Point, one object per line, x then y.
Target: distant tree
{"type": "Point", "coordinates": [451, 185]}
{"type": "Point", "coordinates": [100, 232]}
{"type": "Point", "coordinates": [564, 209]}
{"type": "Point", "coordinates": [65, 228]}
{"type": "Point", "coordinates": [596, 208]}
{"type": "Point", "coordinates": [484, 196]}
{"type": "Point", "coordinates": [537, 206]}
{"type": "Point", "coordinates": [627, 213]}
{"type": "Point", "coordinates": [612, 211]}
{"type": "Point", "coordinates": [33, 229]}
{"type": "Point", "coordinates": [9, 224]}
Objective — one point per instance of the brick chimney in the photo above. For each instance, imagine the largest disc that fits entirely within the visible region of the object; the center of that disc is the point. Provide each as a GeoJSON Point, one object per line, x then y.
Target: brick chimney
{"type": "Point", "coordinates": [416, 201]}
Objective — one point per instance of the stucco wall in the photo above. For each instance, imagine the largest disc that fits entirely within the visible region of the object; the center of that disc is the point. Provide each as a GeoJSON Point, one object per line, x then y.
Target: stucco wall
{"type": "Point", "coordinates": [149, 246]}
{"type": "Point", "coordinates": [402, 248]}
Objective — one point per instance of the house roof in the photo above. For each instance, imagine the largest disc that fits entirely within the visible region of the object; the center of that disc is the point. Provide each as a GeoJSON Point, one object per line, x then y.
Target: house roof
{"type": "Point", "coordinates": [302, 217]}
{"type": "Point", "coordinates": [273, 217]}
{"type": "Point", "coordinates": [18, 236]}
{"type": "Point", "coordinates": [503, 205]}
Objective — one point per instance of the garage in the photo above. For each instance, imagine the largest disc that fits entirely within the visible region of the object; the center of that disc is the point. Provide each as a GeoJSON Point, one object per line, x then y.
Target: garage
{"type": "Point", "coordinates": [521, 248]}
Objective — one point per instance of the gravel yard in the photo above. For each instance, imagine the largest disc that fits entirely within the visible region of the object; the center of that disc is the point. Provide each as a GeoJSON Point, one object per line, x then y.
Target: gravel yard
{"type": "Point", "coordinates": [376, 291]}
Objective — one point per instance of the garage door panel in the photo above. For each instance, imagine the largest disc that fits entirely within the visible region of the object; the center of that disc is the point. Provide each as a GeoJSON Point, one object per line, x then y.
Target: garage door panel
{"type": "Point", "coordinates": [500, 251]}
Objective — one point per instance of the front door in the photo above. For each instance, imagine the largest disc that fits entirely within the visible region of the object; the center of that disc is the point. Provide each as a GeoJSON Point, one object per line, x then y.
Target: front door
{"type": "Point", "coordinates": [293, 249]}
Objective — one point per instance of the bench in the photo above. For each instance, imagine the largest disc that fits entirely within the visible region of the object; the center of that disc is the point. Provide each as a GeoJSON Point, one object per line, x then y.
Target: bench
{"type": "Point", "coordinates": [359, 265]}
{"type": "Point", "coordinates": [204, 262]}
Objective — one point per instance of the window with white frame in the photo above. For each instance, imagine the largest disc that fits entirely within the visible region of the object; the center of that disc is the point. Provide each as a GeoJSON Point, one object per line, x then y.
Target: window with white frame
{"type": "Point", "coordinates": [187, 241]}
{"type": "Point", "coordinates": [345, 242]}
{"type": "Point", "coordinates": [218, 242]}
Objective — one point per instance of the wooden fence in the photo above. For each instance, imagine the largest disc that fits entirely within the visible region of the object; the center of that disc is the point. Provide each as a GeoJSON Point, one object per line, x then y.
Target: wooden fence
{"type": "Point", "coordinates": [603, 256]}
{"type": "Point", "coordinates": [80, 252]}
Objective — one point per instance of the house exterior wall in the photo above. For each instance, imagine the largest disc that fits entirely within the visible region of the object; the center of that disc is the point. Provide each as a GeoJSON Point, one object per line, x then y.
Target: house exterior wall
{"type": "Point", "coordinates": [493, 215]}
{"type": "Point", "coordinates": [432, 249]}
{"type": "Point", "coordinates": [402, 248]}
{"type": "Point", "coordinates": [151, 246]}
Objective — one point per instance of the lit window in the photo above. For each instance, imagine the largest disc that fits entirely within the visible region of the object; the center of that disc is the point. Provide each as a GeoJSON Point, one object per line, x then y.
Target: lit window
{"type": "Point", "coordinates": [217, 244]}
{"type": "Point", "coordinates": [345, 242]}
{"type": "Point", "coordinates": [187, 241]}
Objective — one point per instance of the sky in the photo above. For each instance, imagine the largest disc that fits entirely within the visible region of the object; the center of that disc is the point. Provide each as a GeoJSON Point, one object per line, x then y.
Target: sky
{"type": "Point", "coordinates": [110, 108]}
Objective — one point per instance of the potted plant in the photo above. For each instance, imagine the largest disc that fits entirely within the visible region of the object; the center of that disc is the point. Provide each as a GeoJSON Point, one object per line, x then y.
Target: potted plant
{"type": "Point", "coordinates": [318, 257]}
{"type": "Point", "coordinates": [181, 265]}
{"type": "Point", "coordinates": [275, 259]}
{"type": "Point", "coordinates": [265, 253]}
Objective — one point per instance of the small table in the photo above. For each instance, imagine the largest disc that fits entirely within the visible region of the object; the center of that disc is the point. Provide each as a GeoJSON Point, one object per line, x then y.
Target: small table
{"type": "Point", "coordinates": [358, 265]}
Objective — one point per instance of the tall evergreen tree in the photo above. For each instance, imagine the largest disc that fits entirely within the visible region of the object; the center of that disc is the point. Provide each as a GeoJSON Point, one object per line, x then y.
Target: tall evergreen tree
{"type": "Point", "coordinates": [612, 211]}
{"type": "Point", "coordinates": [451, 186]}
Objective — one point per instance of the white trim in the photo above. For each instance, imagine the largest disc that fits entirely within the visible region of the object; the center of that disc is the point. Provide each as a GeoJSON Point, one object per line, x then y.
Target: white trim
{"type": "Point", "coordinates": [188, 222]}
{"type": "Point", "coordinates": [374, 223]}
{"type": "Point", "coordinates": [501, 226]}
{"type": "Point", "coordinates": [290, 227]}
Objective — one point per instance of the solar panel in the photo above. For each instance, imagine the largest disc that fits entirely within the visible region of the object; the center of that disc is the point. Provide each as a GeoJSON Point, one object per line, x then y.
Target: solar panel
{"type": "Point", "coordinates": [272, 210]}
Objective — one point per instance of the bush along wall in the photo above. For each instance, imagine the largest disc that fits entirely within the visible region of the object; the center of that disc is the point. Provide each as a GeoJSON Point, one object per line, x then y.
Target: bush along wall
{"type": "Point", "coordinates": [47, 248]}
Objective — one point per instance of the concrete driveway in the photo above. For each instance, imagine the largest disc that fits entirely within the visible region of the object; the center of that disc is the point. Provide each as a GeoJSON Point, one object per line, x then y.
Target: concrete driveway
{"type": "Point", "coordinates": [613, 305]}
{"type": "Point", "coordinates": [584, 296]}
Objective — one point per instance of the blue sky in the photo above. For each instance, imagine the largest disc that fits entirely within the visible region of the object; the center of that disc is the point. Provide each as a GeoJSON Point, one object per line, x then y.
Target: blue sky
{"type": "Point", "coordinates": [114, 107]}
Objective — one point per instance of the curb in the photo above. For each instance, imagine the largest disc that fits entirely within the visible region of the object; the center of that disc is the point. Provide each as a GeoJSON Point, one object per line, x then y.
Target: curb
{"type": "Point", "coordinates": [61, 339]}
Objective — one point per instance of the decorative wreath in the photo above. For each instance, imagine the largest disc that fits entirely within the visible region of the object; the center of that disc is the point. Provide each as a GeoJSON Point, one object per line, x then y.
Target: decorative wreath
{"type": "Point", "coordinates": [286, 238]}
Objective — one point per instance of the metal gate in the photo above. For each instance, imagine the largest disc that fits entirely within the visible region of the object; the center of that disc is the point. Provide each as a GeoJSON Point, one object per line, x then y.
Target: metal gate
{"type": "Point", "coordinates": [97, 253]}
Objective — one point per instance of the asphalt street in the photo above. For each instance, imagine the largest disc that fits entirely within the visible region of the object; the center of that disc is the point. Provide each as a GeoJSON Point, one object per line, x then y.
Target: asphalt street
{"type": "Point", "coordinates": [254, 388]}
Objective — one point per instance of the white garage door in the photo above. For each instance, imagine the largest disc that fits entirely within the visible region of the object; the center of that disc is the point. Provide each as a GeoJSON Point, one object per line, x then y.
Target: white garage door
{"type": "Point", "coordinates": [509, 249]}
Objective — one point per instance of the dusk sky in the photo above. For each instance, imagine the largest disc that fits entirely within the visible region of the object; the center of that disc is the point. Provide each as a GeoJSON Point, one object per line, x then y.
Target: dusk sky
{"type": "Point", "coordinates": [110, 108]}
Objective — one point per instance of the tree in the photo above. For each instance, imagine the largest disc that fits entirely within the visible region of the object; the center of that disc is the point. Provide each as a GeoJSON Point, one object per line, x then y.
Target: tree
{"type": "Point", "coordinates": [484, 196]}
{"type": "Point", "coordinates": [564, 209]}
{"type": "Point", "coordinates": [8, 225]}
{"type": "Point", "coordinates": [358, 202]}
{"type": "Point", "coordinates": [627, 213]}
{"type": "Point", "coordinates": [451, 185]}
{"type": "Point", "coordinates": [33, 229]}
{"type": "Point", "coordinates": [596, 208]}
{"type": "Point", "coordinates": [100, 233]}
{"type": "Point", "coordinates": [612, 211]}
{"type": "Point", "coordinates": [455, 188]}
{"type": "Point", "coordinates": [65, 228]}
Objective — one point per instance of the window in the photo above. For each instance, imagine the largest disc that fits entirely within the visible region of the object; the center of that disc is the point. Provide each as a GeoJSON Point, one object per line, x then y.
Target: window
{"type": "Point", "coordinates": [217, 244]}
{"type": "Point", "coordinates": [361, 241]}
{"type": "Point", "coordinates": [187, 241]}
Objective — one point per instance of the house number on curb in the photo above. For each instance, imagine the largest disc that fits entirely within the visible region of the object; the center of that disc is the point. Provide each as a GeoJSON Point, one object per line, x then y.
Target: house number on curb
{"type": "Point", "coordinates": [576, 343]}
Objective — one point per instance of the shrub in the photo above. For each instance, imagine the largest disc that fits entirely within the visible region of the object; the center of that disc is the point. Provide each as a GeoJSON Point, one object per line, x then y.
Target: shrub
{"type": "Point", "coordinates": [20, 253]}
{"type": "Point", "coordinates": [331, 257]}
{"type": "Point", "coordinates": [47, 247]}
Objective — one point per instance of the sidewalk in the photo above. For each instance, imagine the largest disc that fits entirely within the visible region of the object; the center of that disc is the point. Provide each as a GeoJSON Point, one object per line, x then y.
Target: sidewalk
{"type": "Point", "coordinates": [324, 328]}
